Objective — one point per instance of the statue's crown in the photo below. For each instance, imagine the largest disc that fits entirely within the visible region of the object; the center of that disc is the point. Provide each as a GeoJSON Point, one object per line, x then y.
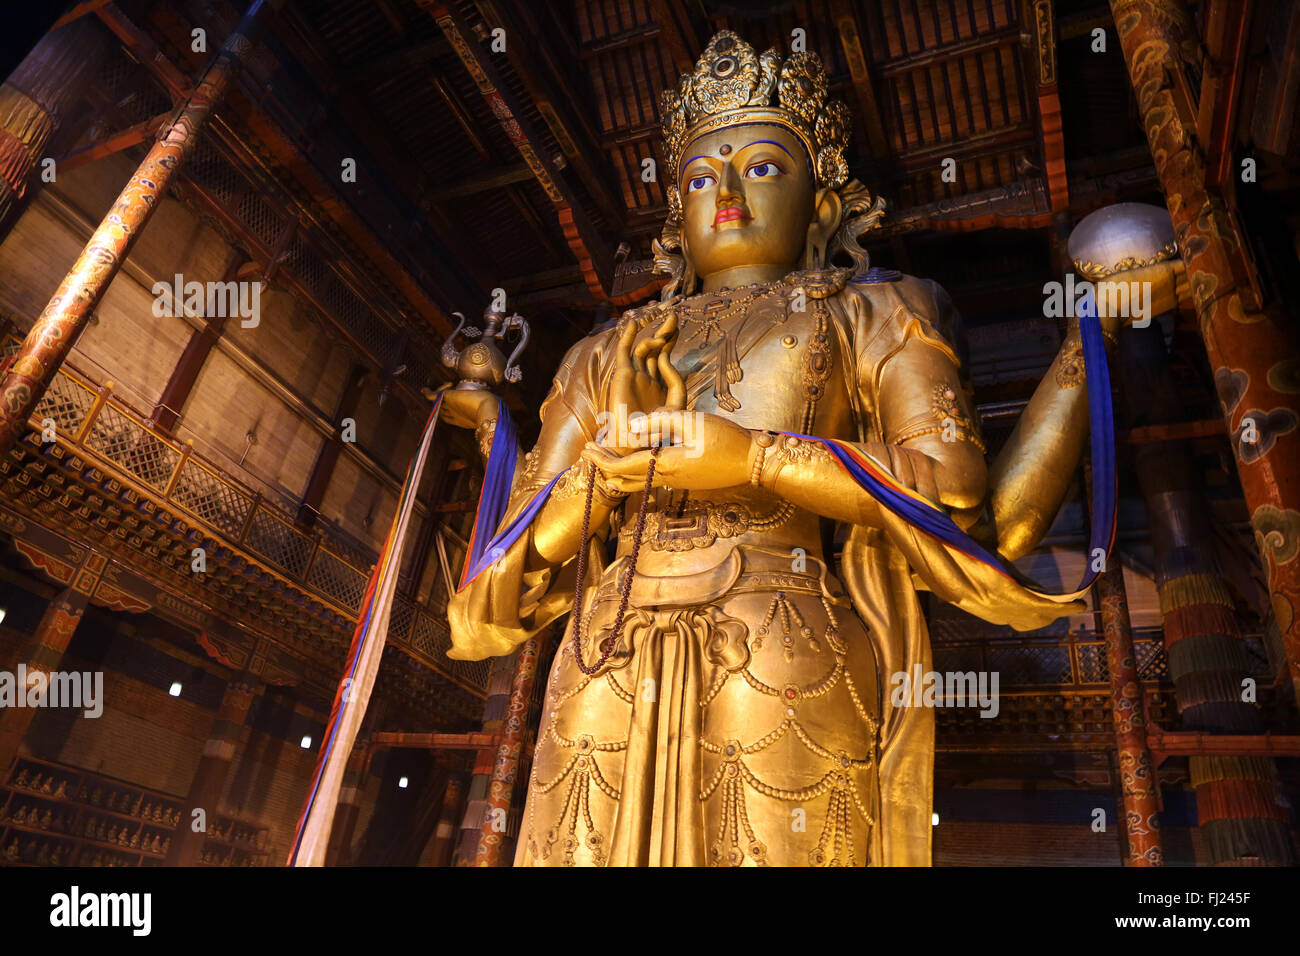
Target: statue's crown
{"type": "Point", "coordinates": [732, 84]}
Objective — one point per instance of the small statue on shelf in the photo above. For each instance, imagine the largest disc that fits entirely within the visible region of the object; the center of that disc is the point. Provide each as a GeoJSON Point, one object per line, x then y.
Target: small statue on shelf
{"type": "Point", "coordinates": [48, 785]}
{"type": "Point", "coordinates": [45, 820]}
{"type": "Point", "coordinates": [97, 797]}
{"type": "Point", "coordinates": [56, 855]}
{"type": "Point", "coordinates": [157, 813]}
{"type": "Point", "coordinates": [20, 816]}
{"type": "Point", "coordinates": [11, 851]}
{"type": "Point", "coordinates": [61, 791]}
{"type": "Point", "coordinates": [156, 845]}
{"type": "Point", "coordinates": [43, 854]}
{"type": "Point", "coordinates": [22, 780]}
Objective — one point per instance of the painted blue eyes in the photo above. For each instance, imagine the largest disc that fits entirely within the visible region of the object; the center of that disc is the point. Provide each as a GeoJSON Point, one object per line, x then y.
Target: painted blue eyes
{"type": "Point", "coordinates": [757, 171]}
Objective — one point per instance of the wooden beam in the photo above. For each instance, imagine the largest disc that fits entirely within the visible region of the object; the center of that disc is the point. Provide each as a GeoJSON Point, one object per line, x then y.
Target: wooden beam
{"type": "Point", "coordinates": [132, 136]}
{"type": "Point", "coordinates": [287, 151]}
{"type": "Point", "coordinates": [554, 99]}
{"type": "Point", "coordinates": [588, 246]}
{"type": "Point", "coordinates": [1226, 36]}
{"type": "Point", "coordinates": [471, 741]}
{"type": "Point", "coordinates": [850, 31]}
{"type": "Point", "coordinates": [680, 40]}
{"type": "Point", "coordinates": [1051, 123]}
{"type": "Point", "coordinates": [1007, 36]}
{"type": "Point", "coordinates": [485, 182]}
{"type": "Point", "coordinates": [1165, 744]}
{"type": "Point", "coordinates": [1174, 432]}
{"type": "Point", "coordinates": [79, 11]}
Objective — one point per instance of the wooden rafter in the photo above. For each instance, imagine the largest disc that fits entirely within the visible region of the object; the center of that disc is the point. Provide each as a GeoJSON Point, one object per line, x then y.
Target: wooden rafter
{"type": "Point", "coordinates": [1051, 122]}
{"type": "Point", "coordinates": [553, 97]}
{"type": "Point", "coordinates": [588, 246]}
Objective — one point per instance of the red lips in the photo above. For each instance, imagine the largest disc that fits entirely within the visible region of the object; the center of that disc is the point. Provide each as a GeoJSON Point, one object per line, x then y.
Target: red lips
{"type": "Point", "coordinates": [728, 214]}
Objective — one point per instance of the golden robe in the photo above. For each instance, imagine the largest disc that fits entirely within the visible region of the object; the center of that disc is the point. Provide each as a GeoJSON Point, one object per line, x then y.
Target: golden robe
{"type": "Point", "coordinates": [745, 718]}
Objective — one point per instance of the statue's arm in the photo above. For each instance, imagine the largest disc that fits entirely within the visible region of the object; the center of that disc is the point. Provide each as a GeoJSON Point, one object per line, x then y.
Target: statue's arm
{"type": "Point", "coordinates": [928, 439]}
{"type": "Point", "coordinates": [524, 589]}
{"type": "Point", "coordinates": [553, 538]}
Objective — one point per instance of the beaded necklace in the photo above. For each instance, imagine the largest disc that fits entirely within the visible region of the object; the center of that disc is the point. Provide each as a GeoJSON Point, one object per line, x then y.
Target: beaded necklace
{"type": "Point", "coordinates": [608, 644]}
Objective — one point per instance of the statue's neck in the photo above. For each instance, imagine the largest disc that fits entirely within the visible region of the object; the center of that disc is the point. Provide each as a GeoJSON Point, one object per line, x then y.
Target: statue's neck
{"type": "Point", "coordinates": [739, 276]}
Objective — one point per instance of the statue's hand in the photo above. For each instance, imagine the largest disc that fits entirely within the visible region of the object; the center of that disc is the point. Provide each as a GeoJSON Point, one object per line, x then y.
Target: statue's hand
{"type": "Point", "coordinates": [465, 407]}
{"type": "Point", "coordinates": [643, 379]}
{"type": "Point", "coordinates": [1152, 290]}
{"type": "Point", "coordinates": [707, 452]}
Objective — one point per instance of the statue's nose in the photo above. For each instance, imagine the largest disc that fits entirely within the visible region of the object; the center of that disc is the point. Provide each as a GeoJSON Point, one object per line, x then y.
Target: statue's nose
{"type": "Point", "coordinates": [731, 190]}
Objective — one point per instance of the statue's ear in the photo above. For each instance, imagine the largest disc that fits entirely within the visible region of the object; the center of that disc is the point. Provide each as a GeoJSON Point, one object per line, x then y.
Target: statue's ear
{"type": "Point", "coordinates": [828, 210]}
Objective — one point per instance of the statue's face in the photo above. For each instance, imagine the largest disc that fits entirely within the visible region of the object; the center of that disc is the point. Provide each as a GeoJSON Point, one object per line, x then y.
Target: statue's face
{"type": "Point", "coordinates": [747, 199]}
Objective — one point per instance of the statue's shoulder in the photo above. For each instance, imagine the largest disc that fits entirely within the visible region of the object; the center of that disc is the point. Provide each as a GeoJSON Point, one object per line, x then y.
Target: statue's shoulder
{"type": "Point", "coordinates": [922, 297]}
{"type": "Point", "coordinates": [894, 306]}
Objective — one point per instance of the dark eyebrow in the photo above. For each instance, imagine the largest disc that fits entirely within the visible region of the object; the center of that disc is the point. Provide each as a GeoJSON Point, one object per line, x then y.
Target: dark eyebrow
{"type": "Point", "coordinates": [693, 159]}
{"type": "Point", "coordinates": [769, 142]}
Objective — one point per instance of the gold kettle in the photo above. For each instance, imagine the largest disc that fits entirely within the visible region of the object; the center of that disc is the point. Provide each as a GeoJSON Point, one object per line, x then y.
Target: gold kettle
{"type": "Point", "coordinates": [481, 364]}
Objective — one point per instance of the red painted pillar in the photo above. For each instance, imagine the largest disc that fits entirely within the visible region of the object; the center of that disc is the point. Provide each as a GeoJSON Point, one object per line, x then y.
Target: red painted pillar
{"type": "Point", "coordinates": [323, 468]}
{"type": "Point", "coordinates": [1138, 781]}
{"type": "Point", "coordinates": [58, 326]}
{"type": "Point", "coordinates": [501, 787]}
{"type": "Point", "coordinates": [1250, 351]}
{"type": "Point", "coordinates": [444, 836]}
{"type": "Point", "coordinates": [43, 653]}
{"type": "Point", "coordinates": [349, 805]}
{"type": "Point", "coordinates": [210, 776]}
{"type": "Point", "coordinates": [186, 373]}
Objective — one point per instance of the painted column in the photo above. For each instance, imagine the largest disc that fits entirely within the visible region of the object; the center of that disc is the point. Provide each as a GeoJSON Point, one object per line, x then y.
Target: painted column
{"type": "Point", "coordinates": [444, 836]}
{"type": "Point", "coordinates": [1237, 798]}
{"type": "Point", "coordinates": [1138, 780]}
{"type": "Point", "coordinates": [502, 785]}
{"type": "Point", "coordinates": [42, 654]}
{"type": "Point", "coordinates": [51, 338]}
{"type": "Point", "coordinates": [186, 372]}
{"type": "Point", "coordinates": [339, 852]}
{"type": "Point", "coordinates": [49, 81]}
{"type": "Point", "coordinates": [328, 456]}
{"type": "Point", "coordinates": [500, 681]}
{"type": "Point", "coordinates": [1256, 370]}
{"type": "Point", "coordinates": [209, 779]}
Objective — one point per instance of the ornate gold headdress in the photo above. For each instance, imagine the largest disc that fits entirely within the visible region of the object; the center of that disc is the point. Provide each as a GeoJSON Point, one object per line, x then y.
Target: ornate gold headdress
{"type": "Point", "coordinates": [732, 84]}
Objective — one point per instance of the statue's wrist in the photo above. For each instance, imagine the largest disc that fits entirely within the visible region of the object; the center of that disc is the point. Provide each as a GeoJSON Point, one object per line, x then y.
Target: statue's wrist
{"type": "Point", "coordinates": [1107, 334]}
{"type": "Point", "coordinates": [761, 444]}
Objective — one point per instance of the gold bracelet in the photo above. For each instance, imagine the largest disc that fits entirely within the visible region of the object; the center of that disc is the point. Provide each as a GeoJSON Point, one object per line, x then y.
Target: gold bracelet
{"type": "Point", "coordinates": [764, 440]}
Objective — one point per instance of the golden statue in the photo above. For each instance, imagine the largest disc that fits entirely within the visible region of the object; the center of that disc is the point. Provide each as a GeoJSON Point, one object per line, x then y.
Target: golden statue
{"type": "Point", "coordinates": [728, 703]}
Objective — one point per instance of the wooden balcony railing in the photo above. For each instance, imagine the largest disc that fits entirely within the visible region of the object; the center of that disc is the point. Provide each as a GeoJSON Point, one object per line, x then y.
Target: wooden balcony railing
{"type": "Point", "coordinates": [90, 418]}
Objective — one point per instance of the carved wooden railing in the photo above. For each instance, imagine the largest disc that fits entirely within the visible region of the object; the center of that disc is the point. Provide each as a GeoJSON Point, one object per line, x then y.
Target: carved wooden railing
{"type": "Point", "coordinates": [89, 417]}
